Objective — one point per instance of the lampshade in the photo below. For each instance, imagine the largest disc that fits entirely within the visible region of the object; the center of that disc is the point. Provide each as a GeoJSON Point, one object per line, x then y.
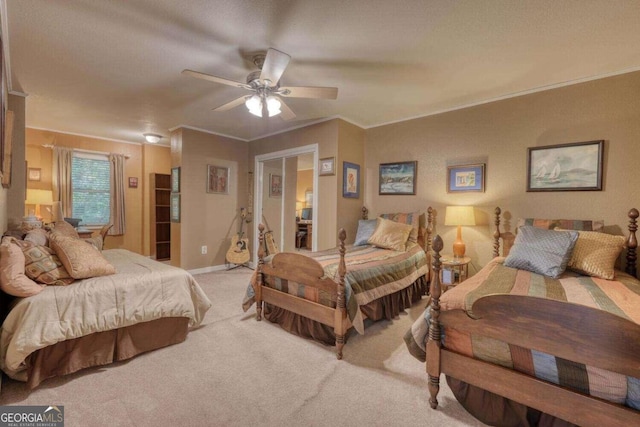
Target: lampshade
{"type": "Point", "coordinates": [459, 215]}
{"type": "Point", "coordinates": [39, 197]}
{"type": "Point", "coordinates": [152, 138]}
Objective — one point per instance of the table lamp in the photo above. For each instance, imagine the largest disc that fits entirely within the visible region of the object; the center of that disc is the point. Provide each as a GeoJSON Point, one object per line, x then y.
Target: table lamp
{"type": "Point", "coordinates": [459, 216]}
{"type": "Point", "coordinates": [38, 198]}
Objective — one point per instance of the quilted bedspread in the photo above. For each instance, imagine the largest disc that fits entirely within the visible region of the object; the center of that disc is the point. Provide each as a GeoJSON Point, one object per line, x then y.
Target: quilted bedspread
{"type": "Point", "coordinates": [141, 290]}
{"type": "Point", "coordinates": [371, 274]}
{"type": "Point", "coordinates": [620, 296]}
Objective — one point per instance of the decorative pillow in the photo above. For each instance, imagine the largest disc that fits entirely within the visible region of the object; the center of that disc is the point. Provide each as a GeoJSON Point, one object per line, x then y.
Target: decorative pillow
{"type": "Point", "coordinates": [412, 218]}
{"type": "Point", "coordinates": [42, 265]}
{"type": "Point", "coordinates": [65, 229]}
{"type": "Point", "coordinates": [390, 235]}
{"type": "Point", "coordinates": [12, 278]}
{"type": "Point", "coordinates": [38, 236]}
{"type": "Point", "coordinates": [366, 227]}
{"type": "Point", "coordinates": [566, 224]}
{"type": "Point", "coordinates": [545, 252]}
{"type": "Point", "coordinates": [81, 259]}
{"type": "Point", "coordinates": [595, 254]}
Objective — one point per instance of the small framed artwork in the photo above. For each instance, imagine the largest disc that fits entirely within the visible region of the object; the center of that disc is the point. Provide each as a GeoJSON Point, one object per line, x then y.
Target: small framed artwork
{"type": "Point", "coordinates": [175, 207]}
{"type": "Point", "coordinates": [350, 180]}
{"type": "Point", "coordinates": [275, 185]}
{"type": "Point", "coordinates": [566, 167]}
{"type": "Point", "coordinates": [35, 174]}
{"type": "Point", "coordinates": [465, 178]}
{"type": "Point", "coordinates": [398, 178]}
{"type": "Point", "coordinates": [133, 182]}
{"type": "Point", "coordinates": [327, 166]}
{"type": "Point", "coordinates": [217, 179]}
{"type": "Point", "coordinates": [175, 180]}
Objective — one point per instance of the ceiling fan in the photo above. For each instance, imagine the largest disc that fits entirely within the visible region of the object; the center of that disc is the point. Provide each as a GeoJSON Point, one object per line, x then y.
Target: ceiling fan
{"type": "Point", "coordinates": [266, 100]}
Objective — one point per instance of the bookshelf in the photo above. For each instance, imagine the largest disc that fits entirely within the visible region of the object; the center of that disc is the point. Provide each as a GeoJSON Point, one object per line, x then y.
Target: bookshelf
{"type": "Point", "coordinates": [160, 220]}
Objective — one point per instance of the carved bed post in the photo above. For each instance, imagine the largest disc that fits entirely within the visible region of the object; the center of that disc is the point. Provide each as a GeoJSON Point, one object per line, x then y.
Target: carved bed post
{"type": "Point", "coordinates": [431, 217]}
{"type": "Point", "coordinates": [258, 287]}
{"type": "Point", "coordinates": [365, 213]}
{"type": "Point", "coordinates": [341, 307]}
{"type": "Point", "coordinates": [434, 343]}
{"type": "Point", "coordinates": [496, 234]}
{"type": "Point", "coordinates": [632, 242]}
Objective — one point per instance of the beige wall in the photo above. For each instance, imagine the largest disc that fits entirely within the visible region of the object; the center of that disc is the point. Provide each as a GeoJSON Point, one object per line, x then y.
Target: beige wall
{"type": "Point", "coordinates": [38, 156]}
{"type": "Point", "coordinates": [208, 219]}
{"type": "Point", "coordinates": [351, 140]}
{"type": "Point", "coordinates": [498, 134]}
{"type": "Point", "coordinates": [303, 184]}
{"type": "Point", "coordinates": [12, 198]}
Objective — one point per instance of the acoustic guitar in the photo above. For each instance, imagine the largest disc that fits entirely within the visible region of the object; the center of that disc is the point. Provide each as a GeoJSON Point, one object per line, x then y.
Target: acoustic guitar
{"type": "Point", "coordinates": [238, 253]}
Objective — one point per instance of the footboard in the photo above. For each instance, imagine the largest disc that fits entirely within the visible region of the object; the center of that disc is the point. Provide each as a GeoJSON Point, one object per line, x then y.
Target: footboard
{"type": "Point", "coordinates": [301, 269]}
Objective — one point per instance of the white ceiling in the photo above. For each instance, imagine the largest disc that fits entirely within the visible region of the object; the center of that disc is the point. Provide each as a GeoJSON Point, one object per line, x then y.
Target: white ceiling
{"type": "Point", "coordinates": [111, 69]}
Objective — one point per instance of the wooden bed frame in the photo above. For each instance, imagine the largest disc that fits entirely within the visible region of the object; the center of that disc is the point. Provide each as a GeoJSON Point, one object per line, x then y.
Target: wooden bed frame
{"type": "Point", "coordinates": [303, 269]}
{"type": "Point", "coordinates": [573, 332]}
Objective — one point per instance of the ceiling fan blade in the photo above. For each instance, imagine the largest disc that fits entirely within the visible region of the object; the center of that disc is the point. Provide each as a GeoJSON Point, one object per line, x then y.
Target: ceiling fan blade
{"type": "Point", "coordinates": [309, 92]}
{"type": "Point", "coordinates": [232, 104]}
{"type": "Point", "coordinates": [215, 79]}
{"type": "Point", "coordinates": [285, 112]}
{"type": "Point", "coordinates": [274, 66]}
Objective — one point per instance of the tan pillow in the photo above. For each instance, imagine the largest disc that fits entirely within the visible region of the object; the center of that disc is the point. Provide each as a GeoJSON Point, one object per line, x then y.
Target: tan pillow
{"type": "Point", "coordinates": [65, 229]}
{"type": "Point", "coordinates": [12, 278]}
{"type": "Point", "coordinates": [390, 235]}
{"type": "Point", "coordinates": [42, 265]}
{"type": "Point", "coordinates": [595, 254]}
{"type": "Point", "coordinates": [81, 259]}
{"type": "Point", "coordinates": [412, 218]}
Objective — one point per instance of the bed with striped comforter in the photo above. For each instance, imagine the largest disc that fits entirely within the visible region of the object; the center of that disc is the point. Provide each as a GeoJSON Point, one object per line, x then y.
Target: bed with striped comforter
{"type": "Point", "coordinates": [620, 297]}
{"type": "Point", "coordinates": [372, 273]}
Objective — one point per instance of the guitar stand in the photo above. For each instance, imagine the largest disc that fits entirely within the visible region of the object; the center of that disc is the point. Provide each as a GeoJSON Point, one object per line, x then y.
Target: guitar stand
{"type": "Point", "coordinates": [232, 266]}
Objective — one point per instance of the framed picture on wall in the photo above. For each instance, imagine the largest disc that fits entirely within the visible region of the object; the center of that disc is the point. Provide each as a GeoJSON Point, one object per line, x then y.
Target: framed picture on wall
{"type": "Point", "coordinates": [217, 179]}
{"type": "Point", "coordinates": [398, 178]}
{"type": "Point", "coordinates": [566, 167]}
{"type": "Point", "coordinates": [133, 182]}
{"type": "Point", "coordinates": [34, 174]}
{"type": "Point", "coordinates": [275, 185]}
{"type": "Point", "coordinates": [175, 180]}
{"type": "Point", "coordinates": [327, 166]}
{"type": "Point", "coordinates": [465, 178]}
{"type": "Point", "coordinates": [175, 207]}
{"type": "Point", "coordinates": [350, 180]}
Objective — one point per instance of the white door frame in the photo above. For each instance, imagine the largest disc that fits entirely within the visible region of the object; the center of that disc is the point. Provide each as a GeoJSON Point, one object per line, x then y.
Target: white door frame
{"type": "Point", "coordinates": [258, 185]}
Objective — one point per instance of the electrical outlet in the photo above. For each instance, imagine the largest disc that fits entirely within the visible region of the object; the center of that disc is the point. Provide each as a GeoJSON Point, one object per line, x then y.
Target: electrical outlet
{"type": "Point", "coordinates": [203, 250]}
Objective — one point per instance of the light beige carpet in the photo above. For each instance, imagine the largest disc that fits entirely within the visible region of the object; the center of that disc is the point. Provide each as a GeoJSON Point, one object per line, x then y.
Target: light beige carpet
{"type": "Point", "coordinates": [235, 371]}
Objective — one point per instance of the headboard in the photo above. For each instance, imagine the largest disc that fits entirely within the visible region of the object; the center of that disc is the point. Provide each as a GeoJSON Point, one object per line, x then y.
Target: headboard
{"type": "Point", "coordinates": [631, 244]}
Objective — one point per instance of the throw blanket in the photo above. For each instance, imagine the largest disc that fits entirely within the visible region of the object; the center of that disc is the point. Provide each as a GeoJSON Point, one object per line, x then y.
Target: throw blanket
{"type": "Point", "coordinates": [142, 290]}
{"type": "Point", "coordinates": [371, 274]}
{"type": "Point", "coordinates": [620, 297]}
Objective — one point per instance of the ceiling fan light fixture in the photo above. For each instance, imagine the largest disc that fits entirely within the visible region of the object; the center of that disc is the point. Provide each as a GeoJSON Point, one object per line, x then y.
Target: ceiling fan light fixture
{"type": "Point", "coordinates": [152, 138]}
{"type": "Point", "coordinates": [254, 105]}
{"type": "Point", "coordinates": [273, 105]}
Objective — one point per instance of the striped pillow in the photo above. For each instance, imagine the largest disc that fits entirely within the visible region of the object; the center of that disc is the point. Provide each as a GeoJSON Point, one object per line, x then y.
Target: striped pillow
{"type": "Point", "coordinates": [411, 218]}
{"type": "Point", "coordinates": [567, 224]}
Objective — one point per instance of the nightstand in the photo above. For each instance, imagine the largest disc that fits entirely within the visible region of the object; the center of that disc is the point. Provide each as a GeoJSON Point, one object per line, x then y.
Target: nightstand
{"type": "Point", "coordinates": [454, 270]}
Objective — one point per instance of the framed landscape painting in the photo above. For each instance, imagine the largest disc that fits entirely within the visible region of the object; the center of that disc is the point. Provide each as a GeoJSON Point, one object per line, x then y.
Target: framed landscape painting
{"type": "Point", "coordinates": [398, 178]}
{"type": "Point", "coordinates": [565, 167]}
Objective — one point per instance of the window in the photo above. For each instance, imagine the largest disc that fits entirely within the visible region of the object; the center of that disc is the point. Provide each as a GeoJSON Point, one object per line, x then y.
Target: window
{"type": "Point", "coordinates": [90, 181]}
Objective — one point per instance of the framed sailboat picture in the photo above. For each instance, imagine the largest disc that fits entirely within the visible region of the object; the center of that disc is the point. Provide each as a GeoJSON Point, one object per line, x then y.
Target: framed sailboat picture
{"type": "Point", "coordinates": [566, 167]}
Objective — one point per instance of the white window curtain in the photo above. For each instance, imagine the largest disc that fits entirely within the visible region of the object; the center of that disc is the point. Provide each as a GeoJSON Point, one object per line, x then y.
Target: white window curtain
{"type": "Point", "coordinates": [62, 189]}
{"type": "Point", "coordinates": [117, 194]}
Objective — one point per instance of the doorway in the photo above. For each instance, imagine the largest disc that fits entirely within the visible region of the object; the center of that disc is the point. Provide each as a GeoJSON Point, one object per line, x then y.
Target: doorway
{"type": "Point", "coordinates": [277, 202]}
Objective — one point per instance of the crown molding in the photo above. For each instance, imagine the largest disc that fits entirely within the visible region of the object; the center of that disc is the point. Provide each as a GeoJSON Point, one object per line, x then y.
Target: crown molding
{"type": "Point", "coordinates": [207, 131]}
{"type": "Point", "coordinates": [86, 136]}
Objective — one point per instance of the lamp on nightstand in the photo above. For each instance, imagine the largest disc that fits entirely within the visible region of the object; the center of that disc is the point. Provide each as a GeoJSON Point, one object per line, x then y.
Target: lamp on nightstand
{"type": "Point", "coordinates": [459, 216]}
